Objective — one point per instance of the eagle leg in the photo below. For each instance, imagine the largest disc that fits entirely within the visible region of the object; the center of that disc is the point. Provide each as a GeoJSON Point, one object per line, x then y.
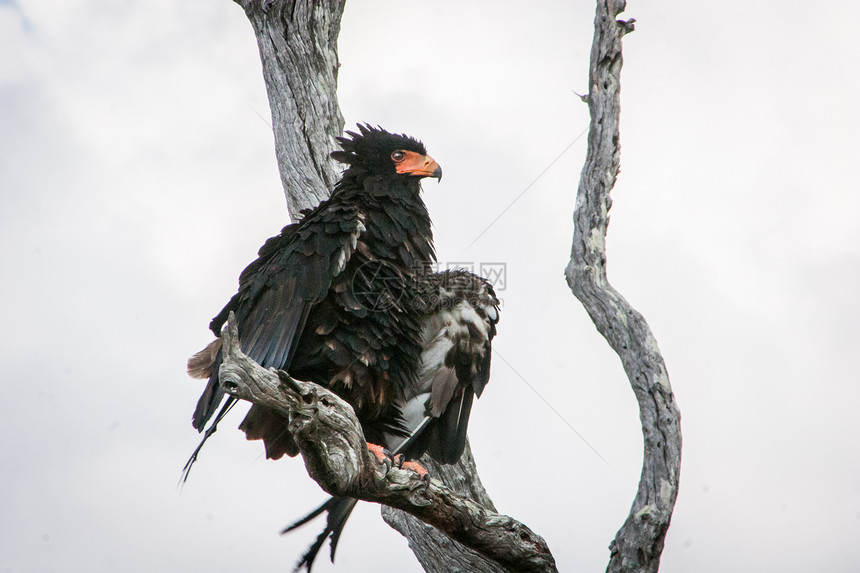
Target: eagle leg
{"type": "Point", "coordinates": [382, 454]}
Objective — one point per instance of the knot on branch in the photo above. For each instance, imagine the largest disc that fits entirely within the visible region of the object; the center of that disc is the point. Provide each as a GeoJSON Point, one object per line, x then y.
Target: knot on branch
{"type": "Point", "coordinates": [626, 26]}
{"type": "Point", "coordinates": [322, 424]}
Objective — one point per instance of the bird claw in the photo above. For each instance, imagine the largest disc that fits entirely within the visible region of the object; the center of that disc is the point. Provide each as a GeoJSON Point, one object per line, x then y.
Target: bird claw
{"type": "Point", "coordinates": [423, 474]}
{"type": "Point", "coordinates": [384, 456]}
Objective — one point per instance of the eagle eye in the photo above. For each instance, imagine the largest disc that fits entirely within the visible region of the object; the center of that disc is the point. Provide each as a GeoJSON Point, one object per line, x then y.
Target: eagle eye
{"type": "Point", "coordinates": [398, 156]}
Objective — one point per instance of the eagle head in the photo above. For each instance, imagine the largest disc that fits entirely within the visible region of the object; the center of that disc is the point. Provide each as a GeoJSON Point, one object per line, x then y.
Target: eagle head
{"type": "Point", "coordinates": [375, 151]}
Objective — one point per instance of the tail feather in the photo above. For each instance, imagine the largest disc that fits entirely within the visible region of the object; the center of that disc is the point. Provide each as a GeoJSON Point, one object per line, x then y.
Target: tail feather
{"type": "Point", "coordinates": [211, 397]}
{"type": "Point", "coordinates": [339, 510]}
{"type": "Point", "coordinates": [231, 401]}
{"type": "Point", "coordinates": [265, 424]}
{"type": "Point", "coordinates": [200, 365]}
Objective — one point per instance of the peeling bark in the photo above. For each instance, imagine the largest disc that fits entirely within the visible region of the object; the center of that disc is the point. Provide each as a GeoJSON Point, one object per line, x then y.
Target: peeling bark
{"type": "Point", "coordinates": [639, 543]}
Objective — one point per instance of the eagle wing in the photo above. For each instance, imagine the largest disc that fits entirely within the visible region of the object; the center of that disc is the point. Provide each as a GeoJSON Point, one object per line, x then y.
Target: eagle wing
{"type": "Point", "coordinates": [293, 272]}
{"type": "Point", "coordinates": [455, 365]}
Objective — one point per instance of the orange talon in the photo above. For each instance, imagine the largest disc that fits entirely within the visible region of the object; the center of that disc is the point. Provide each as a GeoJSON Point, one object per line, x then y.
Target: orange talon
{"type": "Point", "coordinates": [415, 467]}
{"type": "Point", "coordinates": [382, 455]}
{"type": "Point", "coordinates": [378, 452]}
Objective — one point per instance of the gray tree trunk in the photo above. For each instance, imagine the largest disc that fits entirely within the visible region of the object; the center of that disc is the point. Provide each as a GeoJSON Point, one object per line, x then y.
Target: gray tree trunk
{"type": "Point", "coordinates": [298, 48]}
{"type": "Point", "coordinates": [639, 543]}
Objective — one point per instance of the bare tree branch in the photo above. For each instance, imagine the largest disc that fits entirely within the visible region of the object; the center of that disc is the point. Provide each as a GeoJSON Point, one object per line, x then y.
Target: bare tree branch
{"type": "Point", "coordinates": [436, 552]}
{"type": "Point", "coordinates": [336, 456]}
{"type": "Point", "coordinates": [639, 543]}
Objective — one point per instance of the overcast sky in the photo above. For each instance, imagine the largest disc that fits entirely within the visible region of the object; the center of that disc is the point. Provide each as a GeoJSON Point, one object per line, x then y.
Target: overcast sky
{"type": "Point", "coordinates": [138, 178]}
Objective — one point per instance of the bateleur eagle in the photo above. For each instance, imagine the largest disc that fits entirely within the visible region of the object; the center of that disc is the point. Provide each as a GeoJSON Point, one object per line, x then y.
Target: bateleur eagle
{"type": "Point", "coordinates": [346, 298]}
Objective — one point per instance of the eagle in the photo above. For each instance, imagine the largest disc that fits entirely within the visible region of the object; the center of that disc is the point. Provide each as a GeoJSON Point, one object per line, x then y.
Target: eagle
{"type": "Point", "coordinates": [347, 298]}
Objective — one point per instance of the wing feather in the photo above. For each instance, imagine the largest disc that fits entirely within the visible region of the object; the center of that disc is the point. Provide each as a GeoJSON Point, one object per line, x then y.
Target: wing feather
{"type": "Point", "coordinates": [293, 272]}
{"type": "Point", "coordinates": [459, 328]}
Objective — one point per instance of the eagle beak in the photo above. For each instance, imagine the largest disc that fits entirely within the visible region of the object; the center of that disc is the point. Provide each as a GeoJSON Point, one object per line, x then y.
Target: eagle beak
{"type": "Point", "coordinates": [437, 172]}
{"type": "Point", "coordinates": [419, 165]}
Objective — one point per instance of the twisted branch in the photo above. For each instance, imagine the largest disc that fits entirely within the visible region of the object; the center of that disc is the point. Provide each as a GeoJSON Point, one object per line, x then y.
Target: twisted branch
{"type": "Point", "coordinates": [332, 444]}
{"type": "Point", "coordinates": [639, 543]}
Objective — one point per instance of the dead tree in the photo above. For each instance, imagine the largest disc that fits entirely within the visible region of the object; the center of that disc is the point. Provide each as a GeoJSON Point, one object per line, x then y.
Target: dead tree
{"type": "Point", "coordinates": [298, 46]}
{"type": "Point", "coordinates": [639, 543]}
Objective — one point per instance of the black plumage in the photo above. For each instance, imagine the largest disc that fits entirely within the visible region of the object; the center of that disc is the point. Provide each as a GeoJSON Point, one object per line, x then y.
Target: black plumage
{"type": "Point", "coordinates": [459, 313]}
{"type": "Point", "coordinates": [345, 298]}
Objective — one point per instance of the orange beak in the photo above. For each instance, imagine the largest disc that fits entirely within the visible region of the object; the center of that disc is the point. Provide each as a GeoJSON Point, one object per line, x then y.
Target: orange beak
{"type": "Point", "coordinates": [419, 165]}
